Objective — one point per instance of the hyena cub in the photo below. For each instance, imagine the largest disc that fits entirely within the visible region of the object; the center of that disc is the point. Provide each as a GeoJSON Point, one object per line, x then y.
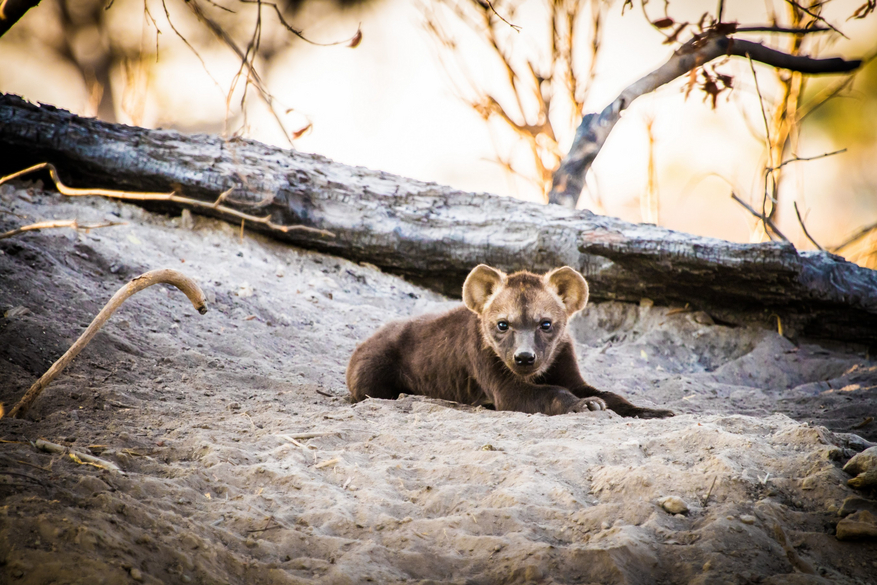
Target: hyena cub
{"type": "Point", "coordinates": [508, 346]}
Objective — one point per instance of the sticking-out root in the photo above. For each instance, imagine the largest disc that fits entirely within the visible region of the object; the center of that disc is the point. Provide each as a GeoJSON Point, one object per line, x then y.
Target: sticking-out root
{"type": "Point", "coordinates": [62, 223]}
{"type": "Point", "coordinates": [165, 275]}
{"type": "Point", "coordinates": [170, 196]}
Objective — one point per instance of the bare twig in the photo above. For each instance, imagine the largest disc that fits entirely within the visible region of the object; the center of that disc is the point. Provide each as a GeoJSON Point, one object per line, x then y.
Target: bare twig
{"type": "Point", "coordinates": [77, 456]}
{"type": "Point", "coordinates": [817, 17]}
{"type": "Point", "coordinates": [303, 436]}
{"type": "Point", "coordinates": [294, 442]}
{"type": "Point", "coordinates": [808, 158]}
{"type": "Point", "coordinates": [804, 228]}
{"type": "Point", "coordinates": [60, 223]}
{"type": "Point", "coordinates": [351, 42]}
{"type": "Point", "coordinates": [709, 493]}
{"type": "Point", "coordinates": [782, 30]}
{"type": "Point", "coordinates": [327, 463]}
{"type": "Point", "coordinates": [760, 100]}
{"type": "Point", "coordinates": [172, 277]}
{"type": "Point", "coordinates": [766, 220]}
{"type": "Point", "coordinates": [172, 196]}
{"type": "Point", "coordinates": [501, 17]}
{"type": "Point", "coordinates": [267, 528]}
{"type": "Point", "coordinates": [769, 170]}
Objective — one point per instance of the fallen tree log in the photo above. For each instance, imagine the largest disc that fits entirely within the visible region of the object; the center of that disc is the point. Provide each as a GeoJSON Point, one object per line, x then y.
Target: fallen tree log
{"type": "Point", "coordinates": [434, 235]}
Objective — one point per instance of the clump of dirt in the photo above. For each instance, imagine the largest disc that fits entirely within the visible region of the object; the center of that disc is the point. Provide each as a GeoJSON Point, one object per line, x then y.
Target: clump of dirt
{"type": "Point", "coordinates": [243, 462]}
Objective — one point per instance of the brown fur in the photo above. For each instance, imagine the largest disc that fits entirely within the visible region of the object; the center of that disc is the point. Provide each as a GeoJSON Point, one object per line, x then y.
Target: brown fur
{"type": "Point", "coordinates": [508, 346]}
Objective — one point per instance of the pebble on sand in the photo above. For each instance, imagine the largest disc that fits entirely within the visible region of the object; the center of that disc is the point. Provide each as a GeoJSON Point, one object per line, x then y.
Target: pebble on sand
{"type": "Point", "coordinates": [673, 505]}
{"type": "Point", "coordinates": [862, 462]}
{"type": "Point", "coordinates": [857, 526]}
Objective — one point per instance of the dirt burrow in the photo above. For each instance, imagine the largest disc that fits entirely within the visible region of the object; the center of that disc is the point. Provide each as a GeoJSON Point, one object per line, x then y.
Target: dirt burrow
{"type": "Point", "coordinates": [202, 414]}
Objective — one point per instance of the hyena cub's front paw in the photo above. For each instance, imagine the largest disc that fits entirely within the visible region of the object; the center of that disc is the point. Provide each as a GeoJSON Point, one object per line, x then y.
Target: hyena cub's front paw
{"type": "Point", "coordinates": [588, 404]}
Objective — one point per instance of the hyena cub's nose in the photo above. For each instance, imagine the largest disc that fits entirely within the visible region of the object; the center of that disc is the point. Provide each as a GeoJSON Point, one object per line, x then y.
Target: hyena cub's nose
{"type": "Point", "coordinates": [525, 358]}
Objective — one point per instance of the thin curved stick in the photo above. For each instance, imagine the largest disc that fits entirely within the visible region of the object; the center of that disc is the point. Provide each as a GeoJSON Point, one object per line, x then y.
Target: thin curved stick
{"type": "Point", "coordinates": [164, 275]}
{"type": "Point", "coordinates": [62, 223]}
{"type": "Point", "coordinates": [171, 196]}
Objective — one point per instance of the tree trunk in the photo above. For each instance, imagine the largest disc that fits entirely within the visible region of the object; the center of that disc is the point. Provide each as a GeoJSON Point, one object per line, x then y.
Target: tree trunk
{"type": "Point", "coordinates": [434, 235]}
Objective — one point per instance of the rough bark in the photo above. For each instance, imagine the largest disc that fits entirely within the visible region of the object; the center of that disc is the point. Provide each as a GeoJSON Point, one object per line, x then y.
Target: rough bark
{"type": "Point", "coordinates": [435, 235]}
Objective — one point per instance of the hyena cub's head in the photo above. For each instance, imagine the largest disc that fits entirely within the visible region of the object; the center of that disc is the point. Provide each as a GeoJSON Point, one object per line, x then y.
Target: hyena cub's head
{"type": "Point", "coordinates": [523, 316]}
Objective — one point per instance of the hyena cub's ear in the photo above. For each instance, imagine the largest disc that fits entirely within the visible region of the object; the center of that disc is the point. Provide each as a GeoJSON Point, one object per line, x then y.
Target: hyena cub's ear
{"type": "Point", "coordinates": [570, 286]}
{"type": "Point", "coordinates": [481, 283]}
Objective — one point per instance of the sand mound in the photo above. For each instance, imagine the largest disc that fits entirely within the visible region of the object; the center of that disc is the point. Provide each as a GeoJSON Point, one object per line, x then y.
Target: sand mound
{"type": "Point", "coordinates": [244, 463]}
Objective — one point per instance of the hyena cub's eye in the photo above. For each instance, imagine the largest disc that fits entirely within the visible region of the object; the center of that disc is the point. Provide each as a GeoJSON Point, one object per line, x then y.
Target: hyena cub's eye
{"type": "Point", "coordinates": [545, 325]}
{"type": "Point", "coordinates": [503, 325]}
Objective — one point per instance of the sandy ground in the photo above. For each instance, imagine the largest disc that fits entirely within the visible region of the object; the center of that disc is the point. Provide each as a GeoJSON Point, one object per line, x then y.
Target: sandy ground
{"type": "Point", "coordinates": [202, 413]}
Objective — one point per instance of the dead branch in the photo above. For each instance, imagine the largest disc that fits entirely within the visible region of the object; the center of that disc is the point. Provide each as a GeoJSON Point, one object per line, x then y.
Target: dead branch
{"type": "Point", "coordinates": [514, 27]}
{"type": "Point", "coordinates": [60, 223]}
{"type": "Point", "coordinates": [809, 158]}
{"type": "Point", "coordinates": [77, 456]}
{"type": "Point", "coordinates": [769, 170]}
{"type": "Point", "coordinates": [767, 222]}
{"type": "Point", "coordinates": [569, 178]}
{"type": "Point", "coordinates": [782, 30]}
{"type": "Point", "coordinates": [172, 197]}
{"type": "Point", "coordinates": [804, 228]}
{"type": "Point", "coordinates": [816, 16]}
{"type": "Point", "coordinates": [164, 275]}
{"type": "Point", "coordinates": [352, 42]}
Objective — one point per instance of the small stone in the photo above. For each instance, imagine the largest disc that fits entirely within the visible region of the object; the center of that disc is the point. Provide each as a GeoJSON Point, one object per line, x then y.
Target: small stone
{"type": "Point", "coordinates": [488, 447]}
{"type": "Point", "coordinates": [245, 291]}
{"type": "Point", "coordinates": [92, 485]}
{"type": "Point", "coordinates": [864, 480]}
{"type": "Point", "coordinates": [857, 526]}
{"type": "Point", "coordinates": [15, 312]}
{"type": "Point", "coordinates": [855, 503]}
{"type": "Point", "coordinates": [136, 574]}
{"type": "Point", "coordinates": [862, 462]}
{"type": "Point", "coordinates": [673, 505]}
{"type": "Point", "coordinates": [747, 519]}
{"type": "Point", "coordinates": [810, 482]}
